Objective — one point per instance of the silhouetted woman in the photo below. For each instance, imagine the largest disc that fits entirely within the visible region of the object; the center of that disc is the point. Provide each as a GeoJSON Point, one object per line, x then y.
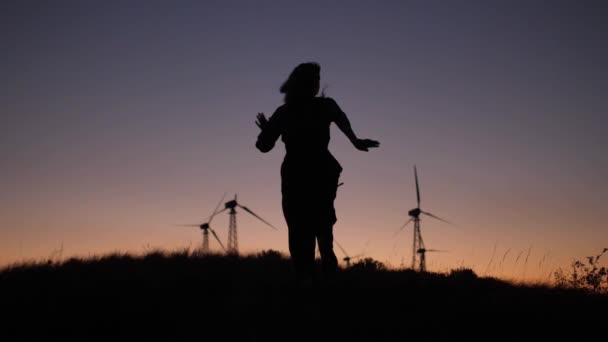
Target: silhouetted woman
{"type": "Point", "coordinates": [309, 173]}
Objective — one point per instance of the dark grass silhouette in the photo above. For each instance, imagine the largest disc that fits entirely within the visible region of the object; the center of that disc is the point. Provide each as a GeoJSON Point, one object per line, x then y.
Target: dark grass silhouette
{"type": "Point", "coordinates": [182, 296]}
{"type": "Point", "coordinates": [587, 275]}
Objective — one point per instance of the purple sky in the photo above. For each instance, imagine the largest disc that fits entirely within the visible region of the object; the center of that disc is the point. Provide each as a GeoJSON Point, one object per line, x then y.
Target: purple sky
{"type": "Point", "coordinates": [121, 118]}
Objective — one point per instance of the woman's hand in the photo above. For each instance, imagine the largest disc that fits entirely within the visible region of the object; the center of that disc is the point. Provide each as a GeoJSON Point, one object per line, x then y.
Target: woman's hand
{"type": "Point", "coordinates": [261, 121]}
{"type": "Point", "coordinates": [365, 144]}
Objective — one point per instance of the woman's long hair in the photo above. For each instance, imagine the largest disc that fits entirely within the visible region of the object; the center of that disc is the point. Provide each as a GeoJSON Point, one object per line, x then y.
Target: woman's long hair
{"type": "Point", "coordinates": [303, 82]}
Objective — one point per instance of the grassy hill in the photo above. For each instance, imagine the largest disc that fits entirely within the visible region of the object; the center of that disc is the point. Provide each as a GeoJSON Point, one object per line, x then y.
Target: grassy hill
{"type": "Point", "coordinates": [180, 296]}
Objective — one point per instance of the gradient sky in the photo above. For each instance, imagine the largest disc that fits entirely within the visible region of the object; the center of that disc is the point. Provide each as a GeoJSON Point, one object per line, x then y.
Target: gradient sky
{"type": "Point", "coordinates": [119, 119]}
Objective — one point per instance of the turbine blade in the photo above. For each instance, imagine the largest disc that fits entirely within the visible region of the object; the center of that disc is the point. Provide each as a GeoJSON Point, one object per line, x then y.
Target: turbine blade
{"type": "Point", "coordinates": [217, 238]}
{"type": "Point", "coordinates": [216, 213]}
{"type": "Point", "coordinates": [417, 186]}
{"type": "Point", "coordinates": [216, 208]}
{"type": "Point", "coordinates": [438, 218]}
{"type": "Point", "coordinates": [436, 250]}
{"type": "Point", "coordinates": [341, 248]}
{"type": "Point", "coordinates": [256, 216]}
{"type": "Point", "coordinates": [187, 225]}
{"type": "Point", "coordinates": [405, 224]}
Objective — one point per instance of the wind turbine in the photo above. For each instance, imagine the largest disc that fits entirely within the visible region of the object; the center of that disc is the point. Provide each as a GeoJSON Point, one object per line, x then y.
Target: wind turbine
{"type": "Point", "coordinates": [418, 250]}
{"type": "Point", "coordinates": [231, 205]}
{"type": "Point", "coordinates": [347, 258]}
{"type": "Point", "coordinates": [206, 227]}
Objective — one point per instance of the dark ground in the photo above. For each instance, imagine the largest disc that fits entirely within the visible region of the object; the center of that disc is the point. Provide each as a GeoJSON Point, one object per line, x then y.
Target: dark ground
{"type": "Point", "coordinates": [181, 297]}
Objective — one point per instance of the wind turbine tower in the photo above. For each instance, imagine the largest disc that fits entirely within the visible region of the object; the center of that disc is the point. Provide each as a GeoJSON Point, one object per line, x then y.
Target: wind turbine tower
{"type": "Point", "coordinates": [206, 227]}
{"type": "Point", "coordinates": [347, 258]}
{"type": "Point", "coordinates": [418, 249]}
{"type": "Point", "coordinates": [233, 245]}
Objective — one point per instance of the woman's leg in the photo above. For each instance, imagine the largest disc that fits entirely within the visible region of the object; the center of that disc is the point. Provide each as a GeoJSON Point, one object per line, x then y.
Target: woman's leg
{"type": "Point", "coordinates": [302, 249]}
{"type": "Point", "coordinates": [301, 235]}
{"type": "Point", "coordinates": [327, 216]}
{"type": "Point", "coordinates": [329, 262]}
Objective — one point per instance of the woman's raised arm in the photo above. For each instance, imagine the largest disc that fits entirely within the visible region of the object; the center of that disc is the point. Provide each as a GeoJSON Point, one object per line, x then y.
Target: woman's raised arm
{"type": "Point", "coordinates": [343, 124]}
{"type": "Point", "coordinates": [270, 131]}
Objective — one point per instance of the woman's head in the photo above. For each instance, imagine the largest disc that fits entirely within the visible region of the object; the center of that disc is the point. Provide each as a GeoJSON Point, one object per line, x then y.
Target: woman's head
{"type": "Point", "coordinates": [303, 82]}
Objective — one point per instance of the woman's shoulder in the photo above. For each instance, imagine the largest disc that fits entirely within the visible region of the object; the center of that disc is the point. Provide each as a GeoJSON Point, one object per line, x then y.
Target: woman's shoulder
{"type": "Point", "coordinates": [325, 100]}
{"type": "Point", "coordinates": [327, 103]}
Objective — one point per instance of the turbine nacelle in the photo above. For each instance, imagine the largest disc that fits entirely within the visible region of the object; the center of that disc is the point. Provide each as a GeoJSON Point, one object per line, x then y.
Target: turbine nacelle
{"type": "Point", "coordinates": [231, 204]}
{"type": "Point", "coordinates": [350, 258]}
{"type": "Point", "coordinates": [415, 212]}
